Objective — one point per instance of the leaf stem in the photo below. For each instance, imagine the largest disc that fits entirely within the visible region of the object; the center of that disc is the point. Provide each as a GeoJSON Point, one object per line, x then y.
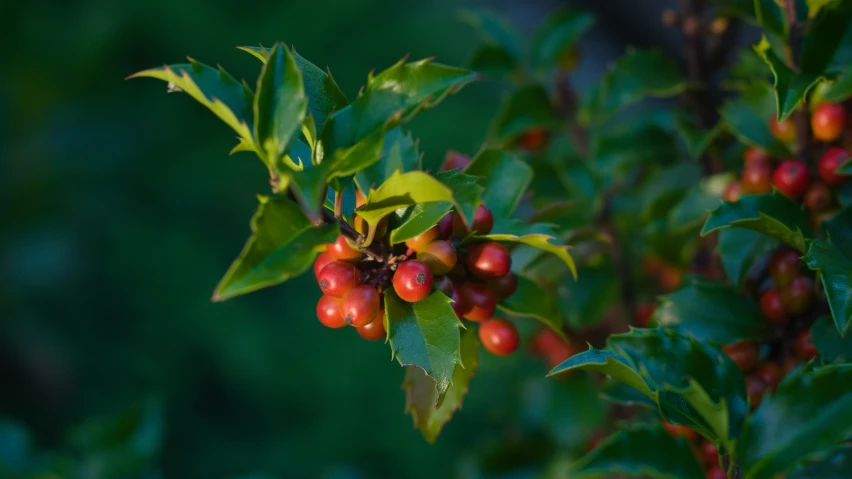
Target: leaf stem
{"type": "Point", "coordinates": [338, 204]}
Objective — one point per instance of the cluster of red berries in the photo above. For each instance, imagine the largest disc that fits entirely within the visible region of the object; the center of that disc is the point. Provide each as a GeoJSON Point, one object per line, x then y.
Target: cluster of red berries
{"type": "Point", "coordinates": [793, 177]}
{"type": "Point", "coordinates": [474, 276]}
{"type": "Point", "coordinates": [704, 450]}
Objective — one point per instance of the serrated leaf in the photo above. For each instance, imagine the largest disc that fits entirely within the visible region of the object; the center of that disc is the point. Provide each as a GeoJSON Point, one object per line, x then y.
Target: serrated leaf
{"type": "Point", "coordinates": [614, 154]}
{"type": "Point", "coordinates": [214, 88]}
{"type": "Point", "coordinates": [558, 35]}
{"type": "Point", "coordinates": [416, 220]}
{"type": "Point", "coordinates": [426, 335]}
{"type": "Point", "coordinates": [832, 347]}
{"type": "Point", "coordinates": [279, 105]}
{"type": "Point", "coordinates": [810, 411]}
{"type": "Point", "coordinates": [747, 68]}
{"type": "Point", "coordinates": [747, 118]}
{"type": "Point", "coordinates": [494, 29]}
{"type": "Point", "coordinates": [697, 140]}
{"type": "Point", "coordinates": [421, 396]}
{"type": "Point", "coordinates": [524, 108]}
{"type": "Point", "coordinates": [826, 42]}
{"type": "Point", "coordinates": [493, 61]}
{"type": "Point", "coordinates": [836, 465]}
{"type": "Point", "coordinates": [623, 394]}
{"type": "Point", "coordinates": [539, 235]}
{"type": "Point", "coordinates": [771, 17]}
{"type": "Point", "coordinates": [835, 271]}
{"type": "Point", "coordinates": [604, 362]}
{"type": "Point", "coordinates": [835, 91]}
{"type": "Point", "coordinates": [532, 301]}
{"type": "Point", "coordinates": [739, 250]}
{"type": "Point", "coordinates": [398, 153]}
{"type": "Point", "coordinates": [504, 177]}
{"type": "Point", "coordinates": [283, 244]}
{"type": "Point", "coordinates": [640, 452]}
{"type": "Point", "coordinates": [466, 188]}
{"type": "Point", "coordinates": [791, 88]}
{"type": "Point", "coordinates": [773, 214]}
{"type": "Point", "coordinates": [585, 302]}
{"type": "Point", "coordinates": [692, 210]}
{"type": "Point", "coordinates": [710, 311]}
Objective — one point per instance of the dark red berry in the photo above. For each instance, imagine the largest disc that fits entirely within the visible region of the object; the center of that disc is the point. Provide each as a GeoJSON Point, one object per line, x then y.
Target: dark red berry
{"type": "Point", "coordinates": [784, 266]}
{"type": "Point", "coordinates": [341, 251]}
{"type": "Point", "coordinates": [752, 155]}
{"type": "Point", "coordinates": [678, 430]}
{"type": "Point", "coordinates": [459, 303]}
{"type": "Point", "coordinates": [784, 131]}
{"type": "Point", "coordinates": [329, 311]}
{"type": "Point", "coordinates": [483, 221]}
{"type": "Point", "coordinates": [439, 256]}
{"type": "Point", "coordinates": [828, 164]}
{"type": "Point", "coordinates": [643, 313]}
{"type": "Point", "coordinates": [797, 296]}
{"type": "Point", "coordinates": [757, 178]}
{"type": "Point", "coordinates": [443, 284]}
{"type": "Point", "coordinates": [770, 304]}
{"type": "Point", "coordinates": [338, 278]}
{"type": "Point", "coordinates": [716, 472]}
{"type": "Point", "coordinates": [412, 281]}
{"type": "Point", "coordinates": [670, 278]}
{"type": "Point", "coordinates": [791, 178]}
{"type": "Point", "coordinates": [804, 345]}
{"type": "Point", "coordinates": [710, 452]}
{"type": "Point", "coordinates": [533, 139]}
{"type": "Point", "coordinates": [454, 160]}
{"type": "Point", "coordinates": [819, 198]}
{"type": "Point", "coordinates": [423, 239]}
{"type": "Point", "coordinates": [459, 273]}
{"type": "Point", "coordinates": [321, 262]}
{"type": "Point", "coordinates": [499, 337]}
{"type": "Point", "coordinates": [755, 388]}
{"type": "Point", "coordinates": [375, 329]}
{"type": "Point", "coordinates": [445, 226]}
{"type": "Point", "coordinates": [489, 260]}
{"type": "Point", "coordinates": [733, 191]}
{"type": "Point", "coordinates": [480, 302]}
{"type": "Point", "coordinates": [361, 305]}
{"type": "Point", "coordinates": [828, 121]}
{"type": "Point", "coordinates": [503, 287]}
{"type": "Point", "coordinates": [746, 354]}
{"type": "Point", "coordinates": [771, 374]}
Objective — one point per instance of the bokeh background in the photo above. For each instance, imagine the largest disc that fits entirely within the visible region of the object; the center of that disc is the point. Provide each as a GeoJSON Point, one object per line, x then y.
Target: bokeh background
{"type": "Point", "coordinates": [121, 209]}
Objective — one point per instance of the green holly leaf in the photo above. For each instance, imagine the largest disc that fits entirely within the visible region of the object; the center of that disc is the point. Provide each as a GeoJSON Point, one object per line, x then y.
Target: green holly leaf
{"type": "Point", "coordinates": [665, 187]}
{"type": "Point", "coordinates": [739, 250]}
{"type": "Point", "coordinates": [625, 395]}
{"type": "Point", "coordinates": [134, 434]}
{"type": "Point", "coordinates": [504, 177]}
{"type": "Point", "coordinates": [791, 88]}
{"type": "Point", "coordinates": [710, 311]}
{"type": "Point", "coordinates": [279, 106]}
{"type": "Point", "coordinates": [283, 244]}
{"type": "Point", "coordinates": [810, 411]}
{"type": "Point", "coordinates": [494, 29]}
{"type": "Point", "coordinates": [640, 452]}
{"type": "Point", "coordinates": [834, 91]}
{"type": "Point", "coordinates": [773, 214]}
{"type": "Point", "coordinates": [391, 98]}
{"type": "Point", "coordinates": [532, 301]}
{"type": "Point", "coordinates": [834, 267]}
{"type": "Point", "coordinates": [421, 395]}
{"type": "Point", "coordinates": [832, 347]}
{"type": "Point", "coordinates": [466, 190]}
{"type": "Point", "coordinates": [747, 117]}
{"type": "Point", "coordinates": [417, 219]}
{"type": "Point", "coordinates": [615, 154]}
{"type": "Point", "coordinates": [691, 211]}
{"type": "Point", "coordinates": [585, 303]}
{"type": "Point", "coordinates": [747, 68]}
{"type": "Point", "coordinates": [836, 465]}
{"type": "Point", "coordinates": [493, 61]}
{"type": "Point", "coordinates": [638, 75]}
{"type": "Point", "coordinates": [826, 42]}
{"type": "Point", "coordinates": [426, 335]}
{"type": "Point", "coordinates": [762, 13]}
{"type": "Point", "coordinates": [559, 34]}
{"type": "Point", "coordinates": [214, 88]}
{"type": "Point", "coordinates": [696, 139]}
{"type": "Point", "coordinates": [524, 108]}
{"type": "Point", "coordinates": [398, 153]}
{"type": "Point", "coordinates": [539, 235]}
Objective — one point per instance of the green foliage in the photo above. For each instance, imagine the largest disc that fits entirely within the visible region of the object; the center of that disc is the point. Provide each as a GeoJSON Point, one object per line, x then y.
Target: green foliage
{"type": "Point", "coordinates": [691, 211]}
{"type": "Point", "coordinates": [533, 301]}
{"type": "Point", "coordinates": [747, 117]}
{"type": "Point", "coordinates": [399, 153]}
{"type": "Point", "coordinates": [837, 465]}
{"type": "Point", "coordinates": [584, 304]}
{"type": "Point", "coordinates": [739, 250]}
{"type": "Point", "coordinates": [834, 266]}
{"type": "Point", "coordinates": [505, 179]}
{"type": "Point", "coordinates": [525, 108]}
{"type": "Point", "coordinates": [832, 347]}
{"type": "Point", "coordinates": [559, 35]}
{"type": "Point", "coordinates": [791, 87]}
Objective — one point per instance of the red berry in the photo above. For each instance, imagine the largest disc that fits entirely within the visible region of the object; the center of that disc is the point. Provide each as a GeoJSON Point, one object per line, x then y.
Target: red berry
{"type": "Point", "coordinates": [784, 131]}
{"type": "Point", "coordinates": [733, 191]}
{"type": "Point", "coordinates": [375, 329]}
{"type": "Point", "coordinates": [770, 304]}
{"type": "Point", "coordinates": [341, 251]}
{"type": "Point", "coordinates": [439, 256]}
{"type": "Point", "coordinates": [804, 345]}
{"type": "Point", "coordinates": [423, 239]}
{"type": "Point", "coordinates": [710, 453]}
{"type": "Point", "coordinates": [678, 430]}
{"type": "Point", "coordinates": [445, 226]}
{"type": "Point", "coordinates": [551, 346]}
{"type": "Point", "coordinates": [755, 389]}
{"type": "Point", "coordinates": [797, 296]}
{"type": "Point", "coordinates": [412, 281]}
{"type": "Point", "coordinates": [489, 260]}
{"type": "Point", "coordinates": [483, 221]}
{"type": "Point", "coordinates": [480, 302]}
{"type": "Point", "coordinates": [829, 162]}
{"type": "Point", "coordinates": [652, 265]}
{"type": "Point", "coordinates": [757, 178]}
{"type": "Point", "coordinates": [828, 121]}
{"type": "Point", "coordinates": [670, 278]}
{"type": "Point", "coordinates": [753, 154]}
{"type": "Point", "coordinates": [746, 354]}
{"type": "Point", "coordinates": [361, 305]}
{"type": "Point", "coordinates": [643, 313]}
{"type": "Point", "coordinates": [791, 178]}
{"type": "Point", "coordinates": [533, 139]}
{"type": "Point", "coordinates": [771, 374]}
{"type": "Point", "coordinates": [338, 278]}
{"type": "Point", "coordinates": [503, 287]}
{"type": "Point", "coordinates": [443, 284]}
{"type": "Point", "coordinates": [322, 261]}
{"type": "Point", "coordinates": [500, 337]}
{"type": "Point", "coordinates": [784, 266]}
{"type": "Point", "coordinates": [459, 273]}
{"type": "Point", "coordinates": [328, 311]}
{"type": "Point", "coordinates": [716, 472]}
{"type": "Point", "coordinates": [818, 198]}
{"type": "Point", "coordinates": [459, 303]}
{"type": "Point", "coordinates": [454, 160]}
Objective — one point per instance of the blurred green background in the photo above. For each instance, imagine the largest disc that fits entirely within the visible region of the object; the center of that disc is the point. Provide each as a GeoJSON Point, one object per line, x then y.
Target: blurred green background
{"type": "Point", "coordinates": [121, 211]}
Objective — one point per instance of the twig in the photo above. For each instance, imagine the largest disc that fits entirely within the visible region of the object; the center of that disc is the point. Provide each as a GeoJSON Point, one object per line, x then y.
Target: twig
{"type": "Point", "coordinates": [794, 46]}
{"type": "Point", "coordinates": [338, 204]}
{"type": "Point", "coordinates": [375, 251]}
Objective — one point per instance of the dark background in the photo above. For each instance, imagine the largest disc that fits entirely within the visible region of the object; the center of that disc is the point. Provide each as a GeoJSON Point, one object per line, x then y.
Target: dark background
{"type": "Point", "coordinates": [121, 210]}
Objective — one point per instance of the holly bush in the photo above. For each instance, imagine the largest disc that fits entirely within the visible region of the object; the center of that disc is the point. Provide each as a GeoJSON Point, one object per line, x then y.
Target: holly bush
{"type": "Point", "coordinates": [682, 228]}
